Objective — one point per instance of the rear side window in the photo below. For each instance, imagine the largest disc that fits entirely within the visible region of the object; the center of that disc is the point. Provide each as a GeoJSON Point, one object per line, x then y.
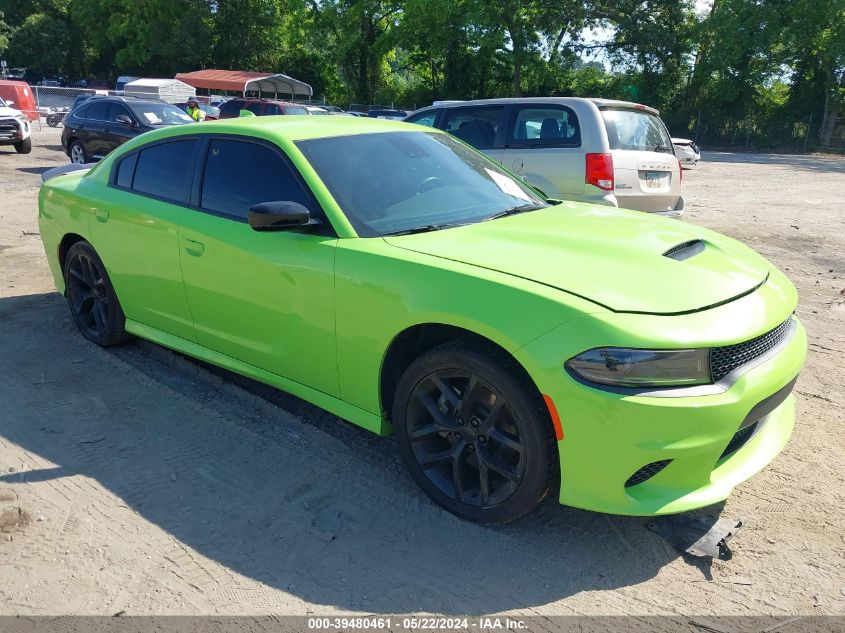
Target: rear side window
{"type": "Point", "coordinates": [476, 126]}
{"type": "Point", "coordinates": [231, 107]}
{"type": "Point", "coordinates": [271, 109]}
{"type": "Point", "coordinates": [126, 171]}
{"type": "Point", "coordinates": [636, 130]}
{"type": "Point", "coordinates": [426, 118]}
{"type": "Point", "coordinates": [544, 126]}
{"type": "Point", "coordinates": [240, 174]}
{"type": "Point", "coordinates": [162, 170]}
{"type": "Point", "coordinates": [256, 107]}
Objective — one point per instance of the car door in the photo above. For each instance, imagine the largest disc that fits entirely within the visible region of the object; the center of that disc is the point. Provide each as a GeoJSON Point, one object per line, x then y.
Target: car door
{"type": "Point", "coordinates": [543, 144]}
{"type": "Point", "coordinates": [92, 129]}
{"type": "Point", "coordinates": [265, 298]}
{"type": "Point", "coordinates": [480, 126]}
{"type": "Point", "coordinates": [116, 133]}
{"type": "Point", "coordinates": [135, 230]}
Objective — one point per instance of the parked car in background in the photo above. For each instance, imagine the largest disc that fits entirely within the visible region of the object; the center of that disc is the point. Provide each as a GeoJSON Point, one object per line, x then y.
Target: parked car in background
{"type": "Point", "coordinates": [590, 150]}
{"type": "Point", "coordinates": [393, 115]}
{"type": "Point", "coordinates": [686, 151]}
{"type": "Point", "coordinates": [260, 107]}
{"type": "Point", "coordinates": [211, 113]}
{"type": "Point", "coordinates": [19, 94]}
{"type": "Point", "coordinates": [515, 347]}
{"type": "Point", "coordinates": [317, 111]}
{"type": "Point", "coordinates": [101, 124]}
{"type": "Point", "coordinates": [15, 128]}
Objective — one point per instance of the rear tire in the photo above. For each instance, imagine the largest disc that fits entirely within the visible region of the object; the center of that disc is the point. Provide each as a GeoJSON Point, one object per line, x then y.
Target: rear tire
{"type": "Point", "coordinates": [90, 295]}
{"type": "Point", "coordinates": [24, 147]}
{"type": "Point", "coordinates": [474, 434]}
{"type": "Point", "coordinates": [77, 153]}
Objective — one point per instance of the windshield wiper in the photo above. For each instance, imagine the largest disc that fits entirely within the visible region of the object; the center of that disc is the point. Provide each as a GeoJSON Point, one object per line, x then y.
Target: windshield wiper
{"type": "Point", "coordinates": [522, 208]}
{"type": "Point", "coordinates": [419, 229]}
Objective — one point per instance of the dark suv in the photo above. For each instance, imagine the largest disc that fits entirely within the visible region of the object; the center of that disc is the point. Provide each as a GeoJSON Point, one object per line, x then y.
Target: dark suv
{"type": "Point", "coordinates": [97, 126]}
{"type": "Point", "coordinates": [259, 107]}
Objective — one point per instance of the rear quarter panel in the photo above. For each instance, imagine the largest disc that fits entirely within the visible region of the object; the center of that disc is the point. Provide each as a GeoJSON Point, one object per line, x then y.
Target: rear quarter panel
{"type": "Point", "coordinates": [61, 211]}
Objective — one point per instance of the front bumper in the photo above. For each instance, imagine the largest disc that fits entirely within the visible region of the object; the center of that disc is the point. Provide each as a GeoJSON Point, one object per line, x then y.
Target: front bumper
{"type": "Point", "coordinates": [609, 437]}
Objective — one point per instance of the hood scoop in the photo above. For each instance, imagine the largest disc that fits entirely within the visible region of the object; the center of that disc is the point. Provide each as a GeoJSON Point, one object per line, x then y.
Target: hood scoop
{"type": "Point", "coordinates": [685, 250]}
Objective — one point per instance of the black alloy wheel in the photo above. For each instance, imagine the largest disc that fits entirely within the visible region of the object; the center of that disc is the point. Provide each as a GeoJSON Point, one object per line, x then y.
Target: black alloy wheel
{"type": "Point", "coordinates": [91, 297]}
{"type": "Point", "coordinates": [473, 435]}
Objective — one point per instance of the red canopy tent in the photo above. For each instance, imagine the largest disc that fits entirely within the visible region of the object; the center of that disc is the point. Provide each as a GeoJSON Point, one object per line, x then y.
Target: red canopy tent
{"type": "Point", "coordinates": [243, 82]}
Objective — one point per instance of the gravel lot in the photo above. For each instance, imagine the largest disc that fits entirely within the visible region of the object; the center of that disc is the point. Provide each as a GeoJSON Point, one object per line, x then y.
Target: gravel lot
{"type": "Point", "coordinates": [134, 480]}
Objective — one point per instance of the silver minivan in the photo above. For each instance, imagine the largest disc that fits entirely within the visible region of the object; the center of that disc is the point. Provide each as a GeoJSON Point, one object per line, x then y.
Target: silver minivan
{"type": "Point", "coordinates": [590, 150]}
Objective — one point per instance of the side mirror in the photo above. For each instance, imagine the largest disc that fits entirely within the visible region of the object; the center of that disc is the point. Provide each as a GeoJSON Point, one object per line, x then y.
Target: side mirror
{"type": "Point", "coordinates": [122, 118]}
{"type": "Point", "coordinates": [279, 215]}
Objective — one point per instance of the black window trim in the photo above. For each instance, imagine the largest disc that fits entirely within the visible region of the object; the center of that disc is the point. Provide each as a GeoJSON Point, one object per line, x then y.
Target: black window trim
{"type": "Point", "coordinates": [514, 111]}
{"type": "Point", "coordinates": [325, 227]}
{"type": "Point", "coordinates": [192, 192]}
{"type": "Point", "coordinates": [186, 189]}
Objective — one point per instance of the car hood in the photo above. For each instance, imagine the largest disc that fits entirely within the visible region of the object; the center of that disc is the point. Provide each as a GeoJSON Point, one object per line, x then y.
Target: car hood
{"type": "Point", "coordinates": [625, 261]}
{"type": "Point", "coordinates": [9, 112]}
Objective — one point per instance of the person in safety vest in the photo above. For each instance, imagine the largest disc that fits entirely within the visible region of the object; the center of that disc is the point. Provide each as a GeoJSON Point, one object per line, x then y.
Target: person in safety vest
{"type": "Point", "coordinates": [194, 110]}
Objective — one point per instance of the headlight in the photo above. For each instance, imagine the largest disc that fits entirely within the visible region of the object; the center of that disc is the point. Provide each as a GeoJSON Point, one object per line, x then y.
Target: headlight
{"type": "Point", "coordinates": [642, 367]}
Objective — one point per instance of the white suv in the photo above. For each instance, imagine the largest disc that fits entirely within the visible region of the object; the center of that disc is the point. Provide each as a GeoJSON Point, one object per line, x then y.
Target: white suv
{"type": "Point", "coordinates": [590, 150]}
{"type": "Point", "coordinates": [15, 128]}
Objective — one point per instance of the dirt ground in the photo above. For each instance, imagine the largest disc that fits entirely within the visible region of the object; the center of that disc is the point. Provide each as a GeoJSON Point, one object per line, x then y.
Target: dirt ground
{"type": "Point", "coordinates": [133, 480]}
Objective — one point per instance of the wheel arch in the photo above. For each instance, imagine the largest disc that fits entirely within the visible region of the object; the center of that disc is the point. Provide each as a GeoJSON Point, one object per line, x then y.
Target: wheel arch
{"type": "Point", "coordinates": [68, 240]}
{"type": "Point", "coordinates": [418, 339]}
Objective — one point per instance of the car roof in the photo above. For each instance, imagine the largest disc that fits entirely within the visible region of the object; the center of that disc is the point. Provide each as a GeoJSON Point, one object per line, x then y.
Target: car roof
{"type": "Point", "coordinates": [599, 103]}
{"type": "Point", "coordinates": [293, 127]}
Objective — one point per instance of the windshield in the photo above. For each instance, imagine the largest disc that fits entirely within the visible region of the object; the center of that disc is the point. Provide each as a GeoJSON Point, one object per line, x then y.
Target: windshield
{"type": "Point", "coordinates": [395, 182]}
{"type": "Point", "coordinates": [637, 130]}
{"type": "Point", "coordinates": [160, 114]}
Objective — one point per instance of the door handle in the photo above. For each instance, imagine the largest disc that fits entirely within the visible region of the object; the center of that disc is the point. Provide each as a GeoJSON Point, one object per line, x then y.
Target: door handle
{"type": "Point", "coordinates": [192, 247]}
{"type": "Point", "coordinates": [102, 215]}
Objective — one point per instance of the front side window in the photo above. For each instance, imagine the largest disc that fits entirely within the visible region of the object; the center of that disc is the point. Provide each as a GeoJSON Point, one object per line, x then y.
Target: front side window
{"type": "Point", "coordinates": [162, 170]}
{"type": "Point", "coordinates": [295, 110]}
{"type": "Point", "coordinates": [395, 182]}
{"type": "Point", "coordinates": [115, 110]}
{"type": "Point", "coordinates": [551, 126]}
{"type": "Point", "coordinates": [636, 130]}
{"type": "Point", "coordinates": [477, 126]}
{"type": "Point", "coordinates": [426, 118]}
{"type": "Point", "coordinates": [232, 107]}
{"type": "Point", "coordinates": [97, 111]}
{"type": "Point", "coordinates": [240, 174]}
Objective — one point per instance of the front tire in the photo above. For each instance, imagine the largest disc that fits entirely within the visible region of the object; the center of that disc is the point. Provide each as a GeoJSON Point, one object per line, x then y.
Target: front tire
{"type": "Point", "coordinates": [90, 295]}
{"type": "Point", "coordinates": [474, 434]}
{"type": "Point", "coordinates": [24, 147]}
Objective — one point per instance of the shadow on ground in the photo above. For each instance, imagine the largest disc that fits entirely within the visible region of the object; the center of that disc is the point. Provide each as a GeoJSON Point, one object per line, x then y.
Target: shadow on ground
{"type": "Point", "coordinates": [308, 505]}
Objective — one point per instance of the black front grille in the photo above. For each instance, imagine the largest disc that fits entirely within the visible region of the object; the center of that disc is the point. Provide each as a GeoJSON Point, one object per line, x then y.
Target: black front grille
{"type": "Point", "coordinates": [647, 472]}
{"type": "Point", "coordinates": [9, 128]}
{"type": "Point", "coordinates": [723, 360]}
{"type": "Point", "coordinates": [739, 439]}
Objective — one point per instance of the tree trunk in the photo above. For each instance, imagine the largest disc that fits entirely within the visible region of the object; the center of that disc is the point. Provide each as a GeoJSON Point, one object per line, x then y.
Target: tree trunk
{"type": "Point", "coordinates": [831, 113]}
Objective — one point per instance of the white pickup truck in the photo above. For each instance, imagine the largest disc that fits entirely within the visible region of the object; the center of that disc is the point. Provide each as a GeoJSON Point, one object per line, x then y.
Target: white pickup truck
{"type": "Point", "coordinates": [15, 128]}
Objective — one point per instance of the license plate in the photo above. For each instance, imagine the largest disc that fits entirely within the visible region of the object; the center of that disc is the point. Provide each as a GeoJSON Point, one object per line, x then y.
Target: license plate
{"type": "Point", "coordinates": [655, 179]}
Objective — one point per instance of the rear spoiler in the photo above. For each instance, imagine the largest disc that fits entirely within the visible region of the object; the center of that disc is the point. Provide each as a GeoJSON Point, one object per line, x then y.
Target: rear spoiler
{"type": "Point", "coordinates": [65, 169]}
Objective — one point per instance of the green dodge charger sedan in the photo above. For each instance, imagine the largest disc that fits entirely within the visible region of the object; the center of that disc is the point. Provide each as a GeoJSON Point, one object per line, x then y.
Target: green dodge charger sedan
{"type": "Point", "coordinates": [405, 282]}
